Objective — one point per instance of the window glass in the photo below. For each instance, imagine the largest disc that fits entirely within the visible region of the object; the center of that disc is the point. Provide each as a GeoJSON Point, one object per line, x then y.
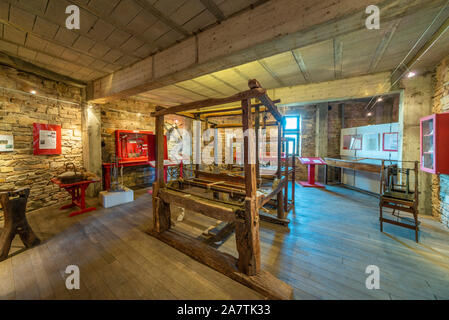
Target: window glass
{"type": "Point", "coordinates": [291, 123]}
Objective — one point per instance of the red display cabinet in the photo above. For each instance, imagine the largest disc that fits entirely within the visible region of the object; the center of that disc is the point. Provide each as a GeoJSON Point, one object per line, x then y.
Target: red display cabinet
{"type": "Point", "coordinates": [434, 136]}
{"type": "Point", "coordinates": [136, 146]}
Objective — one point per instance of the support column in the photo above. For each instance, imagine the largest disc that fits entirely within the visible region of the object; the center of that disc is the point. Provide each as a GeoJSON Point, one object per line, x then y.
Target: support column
{"type": "Point", "coordinates": [91, 135]}
{"type": "Point", "coordinates": [321, 135]}
{"type": "Point", "coordinates": [247, 230]}
{"type": "Point", "coordinates": [161, 210]}
{"type": "Point", "coordinates": [415, 103]}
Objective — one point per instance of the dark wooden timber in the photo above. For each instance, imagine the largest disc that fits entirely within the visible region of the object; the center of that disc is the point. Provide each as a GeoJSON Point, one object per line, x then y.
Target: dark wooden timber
{"type": "Point", "coordinates": [14, 207]}
{"type": "Point", "coordinates": [263, 282]}
{"type": "Point", "coordinates": [352, 164]}
{"type": "Point", "coordinates": [247, 231]}
{"type": "Point", "coordinates": [249, 94]}
{"type": "Point", "coordinates": [210, 208]}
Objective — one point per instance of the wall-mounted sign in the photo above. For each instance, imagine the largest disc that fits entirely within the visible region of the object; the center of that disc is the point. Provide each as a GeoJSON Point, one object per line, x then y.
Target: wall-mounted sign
{"type": "Point", "coordinates": [390, 141]}
{"type": "Point", "coordinates": [46, 139]}
{"type": "Point", "coordinates": [6, 143]}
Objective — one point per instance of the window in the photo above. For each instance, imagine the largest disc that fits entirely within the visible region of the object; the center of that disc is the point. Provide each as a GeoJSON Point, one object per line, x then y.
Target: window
{"type": "Point", "coordinates": [292, 131]}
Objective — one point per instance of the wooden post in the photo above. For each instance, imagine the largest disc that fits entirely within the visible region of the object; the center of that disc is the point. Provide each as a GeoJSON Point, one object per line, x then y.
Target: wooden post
{"type": "Point", "coordinates": [161, 210]}
{"type": "Point", "coordinates": [256, 128]}
{"type": "Point", "coordinates": [247, 230]}
{"type": "Point", "coordinates": [280, 197]}
{"type": "Point", "coordinates": [286, 182]}
{"type": "Point", "coordinates": [293, 179]}
{"type": "Point", "coordinates": [14, 207]}
{"type": "Point", "coordinates": [197, 137]}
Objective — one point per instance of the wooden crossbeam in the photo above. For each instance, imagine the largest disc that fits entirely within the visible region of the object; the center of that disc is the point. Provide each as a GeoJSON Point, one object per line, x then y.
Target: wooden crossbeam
{"type": "Point", "coordinates": [210, 208]}
{"type": "Point", "coordinates": [248, 94]}
{"type": "Point", "coordinates": [264, 282]}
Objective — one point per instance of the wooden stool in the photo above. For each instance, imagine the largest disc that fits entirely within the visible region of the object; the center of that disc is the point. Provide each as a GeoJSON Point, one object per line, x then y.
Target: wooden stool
{"type": "Point", "coordinates": [14, 207]}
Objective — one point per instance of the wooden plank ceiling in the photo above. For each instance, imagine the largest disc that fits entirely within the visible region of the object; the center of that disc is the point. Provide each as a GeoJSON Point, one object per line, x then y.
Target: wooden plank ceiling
{"type": "Point", "coordinates": [354, 54]}
{"type": "Point", "coordinates": [113, 33]}
{"type": "Point", "coordinates": [117, 33]}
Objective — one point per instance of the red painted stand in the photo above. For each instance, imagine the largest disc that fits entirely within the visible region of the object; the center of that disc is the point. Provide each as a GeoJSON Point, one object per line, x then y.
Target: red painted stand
{"type": "Point", "coordinates": [311, 163]}
{"type": "Point", "coordinates": [78, 192]}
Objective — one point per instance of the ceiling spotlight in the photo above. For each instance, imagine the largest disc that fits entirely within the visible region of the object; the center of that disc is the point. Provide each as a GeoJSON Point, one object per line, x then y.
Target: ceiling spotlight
{"type": "Point", "coordinates": [33, 92]}
{"type": "Point", "coordinates": [411, 74]}
{"type": "Point", "coordinates": [139, 114]}
{"type": "Point", "coordinates": [380, 99]}
{"type": "Point", "coordinates": [369, 114]}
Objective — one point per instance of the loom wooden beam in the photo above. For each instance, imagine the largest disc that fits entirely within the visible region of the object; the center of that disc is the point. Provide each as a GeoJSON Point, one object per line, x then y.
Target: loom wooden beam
{"type": "Point", "coordinates": [213, 209]}
{"type": "Point", "coordinates": [248, 94]}
{"type": "Point", "coordinates": [247, 231]}
{"type": "Point", "coordinates": [264, 282]}
{"type": "Point", "coordinates": [161, 210]}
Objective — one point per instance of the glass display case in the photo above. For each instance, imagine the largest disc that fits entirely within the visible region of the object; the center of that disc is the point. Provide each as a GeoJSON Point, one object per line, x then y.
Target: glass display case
{"type": "Point", "coordinates": [434, 135]}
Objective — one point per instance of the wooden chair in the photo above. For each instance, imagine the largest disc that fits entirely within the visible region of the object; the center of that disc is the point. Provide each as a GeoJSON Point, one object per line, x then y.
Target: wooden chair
{"type": "Point", "coordinates": [396, 194]}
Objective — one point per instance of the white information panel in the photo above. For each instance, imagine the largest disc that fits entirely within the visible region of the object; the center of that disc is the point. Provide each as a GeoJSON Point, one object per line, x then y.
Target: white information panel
{"type": "Point", "coordinates": [47, 139]}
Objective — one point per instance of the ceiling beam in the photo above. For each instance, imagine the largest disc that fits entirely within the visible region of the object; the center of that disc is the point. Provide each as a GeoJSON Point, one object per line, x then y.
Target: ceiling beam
{"type": "Point", "coordinates": [383, 45]}
{"type": "Point", "coordinates": [54, 41]}
{"type": "Point", "coordinates": [210, 50]}
{"type": "Point", "coordinates": [22, 65]}
{"type": "Point", "coordinates": [52, 20]}
{"type": "Point", "coordinates": [271, 73]}
{"type": "Point", "coordinates": [214, 9]}
{"type": "Point", "coordinates": [301, 64]}
{"type": "Point", "coordinates": [52, 56]}
{"type": "Point", "coordinates": [338, 58]}
{"type": "Point", "coordinates": [444, 27]}
{"type": "Point", "coordinates": [158, 14]}
{"type": "Point", "coordinates": [113, 22]}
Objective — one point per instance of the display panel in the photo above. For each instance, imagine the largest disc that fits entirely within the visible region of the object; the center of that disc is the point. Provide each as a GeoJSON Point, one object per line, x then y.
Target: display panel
{"type": "Point", "coordinates": [137, 146]}
{"type": "Point", "coordinates": [46, 139]}
{"type": "Point", "coordinates": [6, 143]}
{"type": "Point", "coordinates": [390, 141]}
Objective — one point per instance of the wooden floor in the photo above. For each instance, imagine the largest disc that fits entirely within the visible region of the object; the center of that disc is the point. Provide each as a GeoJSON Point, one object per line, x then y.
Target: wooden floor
{"type": "Point", "coordinates": [334, 235]}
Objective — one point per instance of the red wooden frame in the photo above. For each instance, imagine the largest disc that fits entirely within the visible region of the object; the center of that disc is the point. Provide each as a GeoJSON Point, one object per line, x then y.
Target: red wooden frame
{"type": "Point", "coordinates": [440, 136]}
{"type": "Point", "coordinates": [123, 147]}
{"type": "Point", "coordinates": [383, 141]}
{"type": "Point", "coordinates": [37, 127]}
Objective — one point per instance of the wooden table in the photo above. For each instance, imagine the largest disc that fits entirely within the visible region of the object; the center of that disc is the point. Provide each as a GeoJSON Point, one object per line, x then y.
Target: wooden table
{"type": "Point", "coordinates": [78, 192]}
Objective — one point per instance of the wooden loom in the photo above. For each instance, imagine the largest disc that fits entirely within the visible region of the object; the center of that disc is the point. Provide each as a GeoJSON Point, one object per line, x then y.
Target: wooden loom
{"type": "Point", "coordinates": [245, 215]}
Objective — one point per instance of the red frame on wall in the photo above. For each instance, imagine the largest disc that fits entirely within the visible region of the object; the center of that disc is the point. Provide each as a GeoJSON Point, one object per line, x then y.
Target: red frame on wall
{"type": "Point", "coordinates": [149, 144]}
{"type": "Point", "coordinates": [383, 141]}
{"type": "Point", "coordinates": [37, 127]}
{"type": "Point", "coordinates": [438, 138]}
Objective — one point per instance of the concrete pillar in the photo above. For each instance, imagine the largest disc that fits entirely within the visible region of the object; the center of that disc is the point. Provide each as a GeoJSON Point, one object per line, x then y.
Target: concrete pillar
{"type": "Point", "coordinates": [91, 135]}
{"type": "Point", "coordinates": [415, 103]}
{"type": "Point", "coordinates": [321, 133]}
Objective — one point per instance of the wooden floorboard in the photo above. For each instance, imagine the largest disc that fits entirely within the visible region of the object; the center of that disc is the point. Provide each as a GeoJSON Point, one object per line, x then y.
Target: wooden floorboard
{"type": "Point", "coordinates": [323, 253]}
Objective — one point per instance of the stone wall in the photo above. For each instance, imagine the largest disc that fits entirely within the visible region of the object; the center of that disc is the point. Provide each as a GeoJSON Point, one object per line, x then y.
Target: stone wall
{"type": "Point", "coordinates": [18, 111]}
{"type": "Point", "coordinates": [440, 183]}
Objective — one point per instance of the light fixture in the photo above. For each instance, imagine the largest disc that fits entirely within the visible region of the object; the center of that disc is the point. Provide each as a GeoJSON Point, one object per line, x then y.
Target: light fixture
{"type": "Point", "coordinates": [139, 114]}
{"type": "Point", "coordinates": [33, 92]}
{"type": "Point", "coordinates": [411, 74]}
{"type": "Point", "coordinates": [380, 99]}
{"type": "Point", "coordinates": [369, 114]}
{"type": "Point", "coordinates": [90, 107]}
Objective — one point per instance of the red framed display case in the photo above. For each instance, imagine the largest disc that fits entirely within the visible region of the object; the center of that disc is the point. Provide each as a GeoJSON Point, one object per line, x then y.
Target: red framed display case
{"type": "Point", "coordinates": [434, 134]}
{"type": "Point", "coordinates": [134, 146]}
{"type": "Point", "coordinates": [46, 139]}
